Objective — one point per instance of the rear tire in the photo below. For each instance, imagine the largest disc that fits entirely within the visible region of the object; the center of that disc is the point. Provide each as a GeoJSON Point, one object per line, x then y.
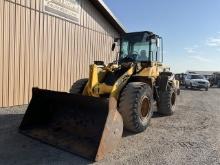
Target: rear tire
{"type": "Point", "coordinates": [78, 86]}
{"type": "Point", "coordinates": [178, 92]}
{"type": "Point", "coordinates": [135, 106]}
{"type": "Point", "coordinates": [167, 102]}
{"type": "Point", "coordinates": [191, 87]}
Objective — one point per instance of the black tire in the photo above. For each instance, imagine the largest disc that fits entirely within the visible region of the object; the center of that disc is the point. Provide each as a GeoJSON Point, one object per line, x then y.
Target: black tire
{"type": "Point", "coordinates": [167, 101]}
{"type": "Point", "coordinates": [178, 91]}
{"type": "Point", "coordinates": [78, 86]}
{"type": "Point", "coordinates": [136, 106]}
{"type": "Point", "coordinates": [206, 89]}
{"type": "Point", "coordinates": [186, 86]}
{"type": "Point", "coordinates": [218, 83]}
{"type": "Point", "coordinates": [191, 87]}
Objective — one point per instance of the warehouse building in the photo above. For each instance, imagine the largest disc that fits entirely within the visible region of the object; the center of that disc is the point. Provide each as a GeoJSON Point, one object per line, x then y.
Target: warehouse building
{"type": "Point", "coordinates": [50, 43]}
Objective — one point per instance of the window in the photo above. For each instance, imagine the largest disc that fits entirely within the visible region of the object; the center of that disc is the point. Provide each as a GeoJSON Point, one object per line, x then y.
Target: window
{"type": "Point", "coordinates": [135, 47]}
{"type": "Point", "coordinates": [197, 77]}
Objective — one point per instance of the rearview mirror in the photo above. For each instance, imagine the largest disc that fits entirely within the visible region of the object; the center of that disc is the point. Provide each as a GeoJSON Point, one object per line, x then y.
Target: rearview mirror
{"type": "Point", "coordinates": [113, 46]}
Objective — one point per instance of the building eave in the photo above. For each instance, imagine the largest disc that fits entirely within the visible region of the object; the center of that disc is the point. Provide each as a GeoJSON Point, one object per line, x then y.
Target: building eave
{"type": "Point", "coordinates": [107, 13]}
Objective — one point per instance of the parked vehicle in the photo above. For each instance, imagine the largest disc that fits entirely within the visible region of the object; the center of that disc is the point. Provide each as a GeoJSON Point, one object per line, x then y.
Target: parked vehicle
{"type": "Point", "coordinates": [181, 78]}
{"type": "Point", "coordinates": [196, 81]}
{"type": "Point", "coordinates": [215, 79]}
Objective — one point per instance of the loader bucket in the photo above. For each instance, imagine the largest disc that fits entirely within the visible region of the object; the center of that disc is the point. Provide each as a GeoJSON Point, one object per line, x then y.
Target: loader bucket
{"type": "Point", "coordinates": [79, 124]}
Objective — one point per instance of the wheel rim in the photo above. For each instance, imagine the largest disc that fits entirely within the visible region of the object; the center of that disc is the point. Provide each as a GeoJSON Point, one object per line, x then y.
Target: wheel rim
{"type": "Point", "coordinates": [173, 99]}
{"type": "Point", "coordinates": [145, 107]}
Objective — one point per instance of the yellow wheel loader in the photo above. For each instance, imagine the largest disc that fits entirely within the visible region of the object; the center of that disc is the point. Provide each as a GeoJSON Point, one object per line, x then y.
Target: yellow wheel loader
{"type": "Point", "coordinates": [89, 120]}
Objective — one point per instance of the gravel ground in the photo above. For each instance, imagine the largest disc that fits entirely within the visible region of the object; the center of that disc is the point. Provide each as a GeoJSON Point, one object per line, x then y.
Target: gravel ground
{"type": "Point", "coordinates": [190, 136]}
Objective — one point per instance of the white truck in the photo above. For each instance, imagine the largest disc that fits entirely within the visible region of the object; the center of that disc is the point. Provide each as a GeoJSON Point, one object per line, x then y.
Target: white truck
{"type": "Point", "coordinates": [196, 81]}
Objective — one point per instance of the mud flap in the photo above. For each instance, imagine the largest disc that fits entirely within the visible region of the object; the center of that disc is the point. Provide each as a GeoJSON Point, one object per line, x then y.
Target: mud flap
{"type": "Point", "coordinates": [83, 125]}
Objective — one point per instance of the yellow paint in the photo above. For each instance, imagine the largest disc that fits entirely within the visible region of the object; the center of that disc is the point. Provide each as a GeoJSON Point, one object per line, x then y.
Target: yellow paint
{"type": "Point", "coordinates": [95, 88]}
{"type": "Point", "coordinates": [121, 82]}
{"type": "Point", "coordinates": [152, 72]}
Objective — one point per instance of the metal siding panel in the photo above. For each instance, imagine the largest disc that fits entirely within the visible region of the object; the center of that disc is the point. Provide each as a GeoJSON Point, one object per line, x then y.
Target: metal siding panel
{"type": "Point", "coordinates": [22, 57]}
{"type": "Point", "coordinates": [41, 5]}
{"type": "Point", "coordinates": [56, 67]}
{"type": "Point", "coordinates": [31, 51]}
{"type": "Point", "coordinates": [61, 55]}
{"type": "Point", "coordinates": [49, 53]}
{"type": "Point", "coordinates": [23, 2]}
{"type": "Point", "coordinates": [64, 57]}
{"type": "Point", "coordinates": [53, 52]}
{"type": "Point", "coordinates": [77, 64]}
{"type": "Point", "coordinates": [66, 54]}
{"type": "Point", "coordinates": [91, 53]}
{"type": "Point", "coordinates": [99, 47]}
{"type": "Point", "coordinates": [28, 3]}
{"type": "Point", "coordinates": [36, 49]}
{"type": "Point", "coordinates": [87, 52]}
{"type": "Point", "coordinates": [6, 55]}
{"type": "Point", "coordinates": [81, 13]}
{"type": "Point", "coordinates": [70, 52]}
{"type": "Point", "coordinates": [86, 15]}
{"type": "Point", "coordinates": [91, 15]}
{"type": "Point", "coordinates": [11, 54]}
{"type": "Point", "coordinates": [79, 53]}
{"type": "Point", "coordinates": [18, 2]}
{"type": "Point", "coordinates": [17, 54]}
{"type": "Point", "coordinates": [60, 45]}
{"type": "Point", "coordinates": [83, 55]}
{"type": "Point", "coordinates": [73, 55]}
{"type": "Point", "coordinates": [84, 59]}
{"type": "Point", "coordinates": [37, 5]}
{"type": "Point", "coordinates": [45, 55]}
{"type": "Point", "coordinates": [1, 50]}
{"type": "Point", "coordinates": [41, 49]}
{"type": "Point", "coordinates": [103, 54]}
{"type": "Point", "coordinates": [94, 46]}
{"type": "Point", "coordinates": [27, 55]}
{"type": "Point", "coordinates": [68, 63]}
{"type": "Point", "coordinates": [104, 48]}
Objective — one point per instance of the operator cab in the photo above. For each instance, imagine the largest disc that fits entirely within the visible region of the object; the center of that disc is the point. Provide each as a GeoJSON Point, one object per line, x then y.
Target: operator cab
{"type": "Point", "coordinates": [140, 47]}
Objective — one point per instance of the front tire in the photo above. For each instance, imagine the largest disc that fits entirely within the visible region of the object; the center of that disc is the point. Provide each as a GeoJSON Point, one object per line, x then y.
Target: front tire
{"type": "Point", "coordinates": [136, 106]}
{"type": "Point", "coordinates": [167, 101]}
{"type": "Point", "coordinates": [78, 86]}
{"type": "Point", "coordinates": [191, 87]}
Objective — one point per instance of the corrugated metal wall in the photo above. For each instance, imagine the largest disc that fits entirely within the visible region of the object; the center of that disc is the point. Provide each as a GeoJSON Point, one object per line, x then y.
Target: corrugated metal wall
{"type": "Point", "coordinates": [39, 49]}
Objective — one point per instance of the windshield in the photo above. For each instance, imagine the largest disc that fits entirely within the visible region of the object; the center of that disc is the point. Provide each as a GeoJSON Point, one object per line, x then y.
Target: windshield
{"type": "Point", "coordinates": [197, 77]}
{"type": "Point", "coordinates": [136, 47]}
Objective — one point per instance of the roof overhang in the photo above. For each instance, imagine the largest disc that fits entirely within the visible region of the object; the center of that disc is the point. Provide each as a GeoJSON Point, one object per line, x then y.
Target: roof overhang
{"type": "Point", "coordinates": [106, 12]}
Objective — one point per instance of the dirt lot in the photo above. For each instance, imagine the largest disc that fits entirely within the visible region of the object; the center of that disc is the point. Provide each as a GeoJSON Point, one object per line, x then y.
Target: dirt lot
{"type": "Point", "coordinates": [190, 136]}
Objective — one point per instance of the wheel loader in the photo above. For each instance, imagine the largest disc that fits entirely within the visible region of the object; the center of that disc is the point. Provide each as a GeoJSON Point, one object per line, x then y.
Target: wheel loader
{"type": "Point", "coordinates": [90, 118]}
